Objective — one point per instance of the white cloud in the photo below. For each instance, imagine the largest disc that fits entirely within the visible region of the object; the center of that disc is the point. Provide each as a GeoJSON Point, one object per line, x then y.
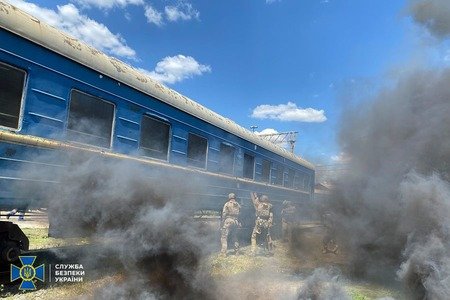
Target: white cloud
{"type": "Point", "coordinates": [108, 4]}
{"type": "Point", "coordinates": [182, 11]}
{"type": "Point", "coordinates": [266, 131]}
{"type": "Point", "coordinates": [340, 158]}
{"type": "Point", "coordinates": [272, 1]}
{"type": "Point", "coordinates": [173, 69]}
{"type": "Point", "coordinates": [68, 18]}
{"type": "Point", "coordinates": [153, 15]}
{"type": "Point", "coordinates": [288, 112]}
{"type": "Point", "coordinates": [446, 56]}
{"type": "Point", "coordinates": [281, 140]}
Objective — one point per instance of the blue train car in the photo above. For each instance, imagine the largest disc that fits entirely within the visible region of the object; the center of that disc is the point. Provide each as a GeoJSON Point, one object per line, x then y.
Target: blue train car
{"type": "Point", "coordinates": [59, 94]}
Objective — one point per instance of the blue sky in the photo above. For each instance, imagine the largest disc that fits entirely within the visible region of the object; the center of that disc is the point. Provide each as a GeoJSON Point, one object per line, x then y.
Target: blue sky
{"type": "Point", "coordinates": [287, 65]}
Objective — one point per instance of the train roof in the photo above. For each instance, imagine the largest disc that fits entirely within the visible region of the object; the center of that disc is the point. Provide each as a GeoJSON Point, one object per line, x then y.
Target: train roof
{"type": "Point", "coordinates": [29, 27]}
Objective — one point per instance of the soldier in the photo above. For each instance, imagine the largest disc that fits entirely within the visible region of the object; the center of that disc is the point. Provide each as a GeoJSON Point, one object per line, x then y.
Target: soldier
{"type": "Point", "coordinates": [287, 220]}
{"type": "Point", "coordinates": [263, 222]}
{"type": "Point", "coordinates": [230, 223]}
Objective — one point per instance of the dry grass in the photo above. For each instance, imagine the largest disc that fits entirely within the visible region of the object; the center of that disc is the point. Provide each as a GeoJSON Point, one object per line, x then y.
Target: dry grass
{"type": "Point", "coordinates": [39, 239]}
{"type": "Point", "coordinates": [284, 273]}
{"type": "Point", "coordinates": [260, 277]}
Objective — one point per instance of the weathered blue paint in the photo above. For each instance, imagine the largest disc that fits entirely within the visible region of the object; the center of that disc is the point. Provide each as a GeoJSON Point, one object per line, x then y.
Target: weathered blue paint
{"type": "Point", "coordinates": [49, 82]}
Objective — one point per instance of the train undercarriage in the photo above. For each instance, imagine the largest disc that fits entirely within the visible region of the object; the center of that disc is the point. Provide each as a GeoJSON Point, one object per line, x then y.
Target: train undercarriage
{"type": "Point", "coordinates": [12, 242]}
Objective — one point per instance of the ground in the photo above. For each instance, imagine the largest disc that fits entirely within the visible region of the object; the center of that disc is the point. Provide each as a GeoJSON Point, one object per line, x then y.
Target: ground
{"type": "Point", "coordinates": [35, 227]}
{"type": "Point", "coordinates": [279, 276]}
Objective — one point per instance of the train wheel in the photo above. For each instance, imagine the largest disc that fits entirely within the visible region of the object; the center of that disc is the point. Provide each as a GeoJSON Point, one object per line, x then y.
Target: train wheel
{"type": "Point", "coordinates": [12, 242]}
{"type": "Point", "coordinates": [10, 252]}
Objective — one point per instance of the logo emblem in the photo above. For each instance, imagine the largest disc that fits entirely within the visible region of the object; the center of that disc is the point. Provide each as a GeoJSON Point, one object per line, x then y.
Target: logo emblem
{"type": "Point", "coordinates": [27, 273]}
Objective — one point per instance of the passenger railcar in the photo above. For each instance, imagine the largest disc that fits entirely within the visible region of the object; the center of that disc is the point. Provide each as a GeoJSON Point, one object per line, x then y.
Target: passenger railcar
{"type": "Point", "coordinates": [51, 83]}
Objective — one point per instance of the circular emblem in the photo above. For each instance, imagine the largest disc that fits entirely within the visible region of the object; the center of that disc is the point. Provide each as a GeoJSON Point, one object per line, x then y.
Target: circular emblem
{"type": "Point", "coordinates": [27, 272]}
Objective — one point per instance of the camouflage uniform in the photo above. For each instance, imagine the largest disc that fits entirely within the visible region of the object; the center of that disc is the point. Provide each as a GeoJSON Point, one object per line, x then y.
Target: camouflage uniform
{"type": "Point", "coordinates": [287, 220]}
{"type": "Point", "coordinates": [230, 223]}
{"type": "Point", "coordinates": [264, 220]}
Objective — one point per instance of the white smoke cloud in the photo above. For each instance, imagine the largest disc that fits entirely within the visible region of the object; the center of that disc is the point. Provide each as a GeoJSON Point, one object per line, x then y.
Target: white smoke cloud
{"type": "Point", "coordinates": [174, 69]}
{"type": "Point", "coordinates": [288, 112]}
{"type": "Point", "coordinates": [69, 19]}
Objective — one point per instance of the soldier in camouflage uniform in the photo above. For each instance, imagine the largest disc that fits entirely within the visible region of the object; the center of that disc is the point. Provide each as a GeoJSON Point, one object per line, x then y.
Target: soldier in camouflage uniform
{"type": "Point", "coordinates": [263, 222]}
{"type": "Point", "coordinates": [230, 223]}
{"type": "Point", "coordinates": [287, 220]}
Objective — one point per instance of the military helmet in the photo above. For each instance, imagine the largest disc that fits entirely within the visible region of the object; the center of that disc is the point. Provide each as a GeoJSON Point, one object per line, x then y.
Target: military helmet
{"type": "Point", "coordinates": [231, 196]}
{"type": "Point", "coordinates": [264, 198]}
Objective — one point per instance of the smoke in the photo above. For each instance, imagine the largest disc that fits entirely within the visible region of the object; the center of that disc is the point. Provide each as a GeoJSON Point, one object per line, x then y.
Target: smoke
{"type": "Point", "coordinates": [433, 15]}
{"type": "Point", "coordinates": [322, 285]}
{"type": "Point", "coordinates": [392, 208]}
{"type": "Point", "coordinates": [142, 219]}
{"type": "Point", "coordinates": [427, 222]}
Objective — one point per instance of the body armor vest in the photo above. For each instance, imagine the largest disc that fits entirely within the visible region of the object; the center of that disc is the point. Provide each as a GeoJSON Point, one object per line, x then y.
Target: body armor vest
{"type": "Point", "coordinates": [263, 210]}
{"type": "Point", "coordinates": [233, 209]}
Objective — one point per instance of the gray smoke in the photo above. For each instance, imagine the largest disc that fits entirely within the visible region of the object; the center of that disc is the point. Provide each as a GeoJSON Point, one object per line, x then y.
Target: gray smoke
{"type": "Point", "coordinates": [322, 285]}
{"type": "Point", "coordinates": [392, 209]}
{"type": "Point", "coordinates": [427, 251]}
{"type": "Point", "coordinates": [142, 220]}
{"type": "Point", "coordinates": [432, 14]}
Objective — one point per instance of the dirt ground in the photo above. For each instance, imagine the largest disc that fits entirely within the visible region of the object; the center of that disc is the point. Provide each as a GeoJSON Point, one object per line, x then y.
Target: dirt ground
{"type": "Point", "coordinates": [279, 276]}
{"type": "Point", "coordinates": [283, 274]}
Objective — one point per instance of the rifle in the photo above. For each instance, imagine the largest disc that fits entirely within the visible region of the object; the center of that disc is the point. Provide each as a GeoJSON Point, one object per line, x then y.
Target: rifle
{"type": "Point", "coordinates": [268, 241]}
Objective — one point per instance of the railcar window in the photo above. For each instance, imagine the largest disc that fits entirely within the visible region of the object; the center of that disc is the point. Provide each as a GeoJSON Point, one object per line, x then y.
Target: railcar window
{"type": "Point", "coordinates": [249, 166]}
{"type": "Point", "coordinates": [12, 82]}
{"type": "Point", "coordinates": [226, 159]}
{"type": "Point", "coordinates": [196, 153]}
{"type": "Point", "coordinates": [297, 182]}
{"type": "Point", "coordinates": [154, 138]}
{"type": "Point", "coordinates": [290, 180]}
{"type": "Point", "coordinates": [265, 175]}
{"type": "Point", "coordinates": [90, 120]}
{"type": "Point", "coordinates": [280, 173]}
{"type": "Point", "coordinates": [306, 179]}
